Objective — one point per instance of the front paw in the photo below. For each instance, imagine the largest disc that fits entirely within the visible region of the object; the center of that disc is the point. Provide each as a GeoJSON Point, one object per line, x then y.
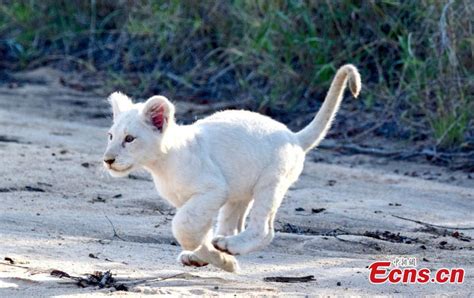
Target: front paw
{"type": "Point", "coordinates": [188, 258]}
{"type": "Point", "coordinates": [221, 243]}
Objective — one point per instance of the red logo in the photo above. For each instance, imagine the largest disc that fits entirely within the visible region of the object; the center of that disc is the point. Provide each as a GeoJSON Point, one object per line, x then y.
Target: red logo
{"type": "Point", "coordinates": [386, 271]}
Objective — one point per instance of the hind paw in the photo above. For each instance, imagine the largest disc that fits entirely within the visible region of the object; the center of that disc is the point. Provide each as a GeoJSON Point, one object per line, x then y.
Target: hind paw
{"type": "Point", "coordinates": [222, 244]}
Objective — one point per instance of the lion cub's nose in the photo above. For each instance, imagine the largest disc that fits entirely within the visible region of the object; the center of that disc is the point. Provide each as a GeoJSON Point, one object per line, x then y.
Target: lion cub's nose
{"type": "Point", "coordinates": [109, 161]}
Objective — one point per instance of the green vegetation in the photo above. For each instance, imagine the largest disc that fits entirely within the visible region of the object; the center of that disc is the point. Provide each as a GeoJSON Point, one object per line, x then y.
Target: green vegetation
{"type": "Point", "coordinates": [416, 57]}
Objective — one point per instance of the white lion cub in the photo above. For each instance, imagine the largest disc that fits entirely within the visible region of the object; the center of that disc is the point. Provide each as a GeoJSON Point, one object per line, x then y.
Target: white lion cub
{"type": "Point", "coordinates": [219, 166]}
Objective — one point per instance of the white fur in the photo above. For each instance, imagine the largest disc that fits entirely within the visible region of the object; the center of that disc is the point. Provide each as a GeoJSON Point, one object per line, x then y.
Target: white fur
{"type": "Point", "coordinates": [219, 166]}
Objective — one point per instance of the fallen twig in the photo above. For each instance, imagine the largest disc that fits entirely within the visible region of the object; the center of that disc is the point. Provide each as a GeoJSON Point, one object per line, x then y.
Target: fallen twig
{"type": "Point", "coordinates": [289, 279]}
{"type": "Point", "coordinates": [140, 281]}
{"type": "Point", "coordinates": [352, 148]}
{"type": "Point", "coordinates": [98, 278]}
{"type": "Point", "coordinates": [371, 245]}
{"type": "Point", "coordinates": [430, 154]}
{"type": "Point", "coordinates": [433, 225]}
{"type": "Point", "coordinates": [113, 228]}
{"type": "Point", "coordinates": [361, 150]}
{"type": "Point", "coordinates": [367, 131]}
{"type": "Point", "coordinates": [14, 265]}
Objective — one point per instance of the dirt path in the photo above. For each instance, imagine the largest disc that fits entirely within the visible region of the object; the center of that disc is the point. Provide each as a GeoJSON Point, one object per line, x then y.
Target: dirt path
{"type": "Point", "coordinates": [56, 203]}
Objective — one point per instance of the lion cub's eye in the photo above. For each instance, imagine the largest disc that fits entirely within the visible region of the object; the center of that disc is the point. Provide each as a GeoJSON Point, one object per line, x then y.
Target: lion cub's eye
{"type": "Point", "coordinates": [129, 139]}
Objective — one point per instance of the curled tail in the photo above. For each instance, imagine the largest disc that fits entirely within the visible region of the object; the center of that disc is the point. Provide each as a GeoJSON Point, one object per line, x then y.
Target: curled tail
{"type": "Point", "coordinates": [310, 136]}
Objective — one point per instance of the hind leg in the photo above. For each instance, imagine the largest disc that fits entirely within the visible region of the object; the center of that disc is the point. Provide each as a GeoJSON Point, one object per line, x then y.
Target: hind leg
{"type": "Point", "coordinates": [192, 228]}
{"type": "Point", "coordinates": [231, 219]}
{"type": "Point", "coordinates": [259, 232]}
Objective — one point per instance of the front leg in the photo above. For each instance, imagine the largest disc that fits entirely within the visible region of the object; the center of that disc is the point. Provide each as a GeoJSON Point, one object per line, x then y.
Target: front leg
{"type": "Point", "coordinates": [260, 230]}
{"type": "Point", "coordinates": [192, 228]}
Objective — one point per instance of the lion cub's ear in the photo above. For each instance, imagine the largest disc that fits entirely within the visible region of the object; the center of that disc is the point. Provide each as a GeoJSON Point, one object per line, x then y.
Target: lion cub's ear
{"type": "Point", "coordinates": [120, 103]}
{"type": "Point", "coordinates": [158, 111]}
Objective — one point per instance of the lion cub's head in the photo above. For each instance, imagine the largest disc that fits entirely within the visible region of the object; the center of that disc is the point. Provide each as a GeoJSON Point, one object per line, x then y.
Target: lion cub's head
{"type": "Point", "coordinates": [137, 132]}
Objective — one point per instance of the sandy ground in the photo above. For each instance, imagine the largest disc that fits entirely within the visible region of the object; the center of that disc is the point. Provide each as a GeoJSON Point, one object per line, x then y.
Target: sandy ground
{"type": "Point", "coordinates": [56, 203]}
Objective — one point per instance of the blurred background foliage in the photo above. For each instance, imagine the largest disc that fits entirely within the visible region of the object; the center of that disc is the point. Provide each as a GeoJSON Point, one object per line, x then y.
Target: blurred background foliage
{"type": "Point", "coordinates": [416, 57]}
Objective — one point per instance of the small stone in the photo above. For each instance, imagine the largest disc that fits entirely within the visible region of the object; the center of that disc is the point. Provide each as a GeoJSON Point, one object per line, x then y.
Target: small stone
{"type": "Point", "coordinates": [317, 210]}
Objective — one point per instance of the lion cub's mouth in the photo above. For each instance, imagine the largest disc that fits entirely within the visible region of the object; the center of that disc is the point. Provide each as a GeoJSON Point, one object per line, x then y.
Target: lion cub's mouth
{"type": "Point", "coordinates": [120, 170]}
